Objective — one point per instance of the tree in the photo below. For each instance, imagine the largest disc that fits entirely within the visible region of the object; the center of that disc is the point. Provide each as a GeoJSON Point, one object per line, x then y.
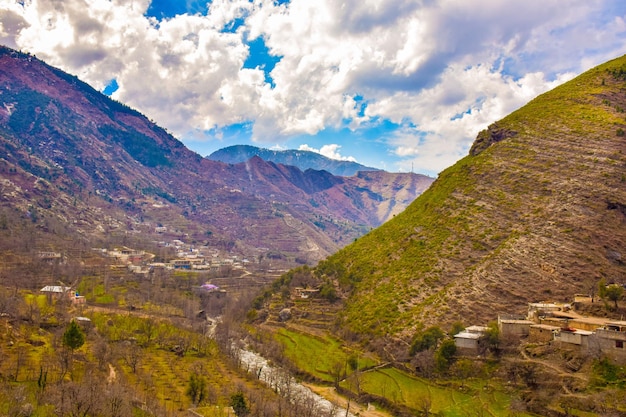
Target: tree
{"type": "Point", "coordinates": [463, 369]}
{"type": "Point", "coordinates": [614, 292]}
{"type": "Point", "coordinates": [73, 337]}
{"type": "Point", "coordinates": [445, 354]}
{"type": "Point", "coordinates": [428, 339]}
{"type": "Point", "coordinates": [132, 355]}
{"type": "Point", "coordinates": [239, 404]}
{"type": "Point", "coordinates": [197, 389]}
{"type": "Point", "coordinates": [457, 327]}
{"type": "Point", "coordinates": [338, 372]}
{"type": "Point", "coordinates": [328, 292]}
{"type": "Point", "coordinates": [492, 336]}
{"type": "Point", "coordinates": [602, 288]}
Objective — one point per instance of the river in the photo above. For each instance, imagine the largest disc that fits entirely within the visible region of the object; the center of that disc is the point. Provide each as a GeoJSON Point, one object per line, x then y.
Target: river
{"type": "Point", "coordinates": [281, 381]}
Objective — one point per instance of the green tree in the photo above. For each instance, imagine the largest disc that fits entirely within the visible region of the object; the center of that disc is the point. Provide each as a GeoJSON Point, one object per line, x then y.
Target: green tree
{"type": "Point", "coordinates": [491, 337]}
{"type": "Point", "coordinates": [328, 292]}
{"type": "Point", "coordinates": [239, 404]}
{"type": "Point", "coordinates": [445, 354]}
{"type": "Point", "coordinates": [614, 293]}
{"type": "Point", "coordinates": [428, 339]}
{"type": "Point", "coordinates": [602, 288]}
{"type": "Point", "coordinates": [73, 337]}
{"type": "Point", "coordinates": [353, 362]}
{"type": "Point", "coordinates": [197, 389]}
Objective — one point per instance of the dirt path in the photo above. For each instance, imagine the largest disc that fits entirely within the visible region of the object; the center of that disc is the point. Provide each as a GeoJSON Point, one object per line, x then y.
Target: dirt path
{"type": "Point", "coordinates": [557, 369]}
{"type": "Point", "coordinates": [112, 374]}
{"type": "Point", "coordinates": [560, 371]}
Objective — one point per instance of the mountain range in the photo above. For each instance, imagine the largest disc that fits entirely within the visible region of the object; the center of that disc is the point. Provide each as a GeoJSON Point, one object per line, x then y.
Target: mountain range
{"type": "Point", "coordinates": [76, 164]}
{"type": "Point", "coordinates": [298, 158]}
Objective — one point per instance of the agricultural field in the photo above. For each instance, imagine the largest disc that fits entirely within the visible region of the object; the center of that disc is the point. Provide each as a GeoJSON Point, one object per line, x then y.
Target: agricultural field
{"type": "Point", "coordinates": [415, 393]}
{"type": "Point", "coordinates": [115, 363]}
{"type": "Point", "coordinates": [322, 357]}
{"type": "Point", "coordinates": [319, 356]}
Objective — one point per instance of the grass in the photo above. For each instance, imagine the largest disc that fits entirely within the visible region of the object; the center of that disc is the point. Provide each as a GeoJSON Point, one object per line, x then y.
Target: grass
{"type": "Point", "coordinates": [401, 388]}
{"type": "Point", "coordinates": [318, 356]}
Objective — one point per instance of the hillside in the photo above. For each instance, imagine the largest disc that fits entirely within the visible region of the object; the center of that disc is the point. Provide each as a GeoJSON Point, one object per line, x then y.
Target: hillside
{"type": "Point", "coordinates": [537, 211]}
{"type": "Point", "coordinates": [76, 165]}
{"type": "Point", "coordinates": [301, 159]}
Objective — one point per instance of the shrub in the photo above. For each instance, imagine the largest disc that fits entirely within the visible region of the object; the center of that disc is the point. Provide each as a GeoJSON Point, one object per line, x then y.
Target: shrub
{"type": "Point", "coordinates": [445, 355]}
{"type": "Point", "coordinates": [328, 292]}
{"type": "Point", "coordinates": [426, 340]}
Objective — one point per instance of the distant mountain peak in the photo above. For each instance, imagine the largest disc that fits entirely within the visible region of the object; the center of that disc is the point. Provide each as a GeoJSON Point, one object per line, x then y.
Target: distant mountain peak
{"type": "Point", "coordinates": [300, 158]}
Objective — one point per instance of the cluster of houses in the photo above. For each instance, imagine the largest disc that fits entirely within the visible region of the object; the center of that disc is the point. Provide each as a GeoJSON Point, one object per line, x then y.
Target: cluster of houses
{"type": "Point", "coordinates": [188, 259]}
{"type": "Point", "coordinates": [557, 323]}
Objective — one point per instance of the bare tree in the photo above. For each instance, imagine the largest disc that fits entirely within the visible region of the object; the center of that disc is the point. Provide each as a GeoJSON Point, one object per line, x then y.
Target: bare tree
{"type": "Point", "coordinates": [148, 329]}
{"type": "Point", "coordinates": [102, 353]}
{"type": "Point", "coordinates": [131, 353]}
{"type": "Point", "coordinates": [15, 397]}
{"type": "Point", "coordinates": [117, 402]}
{"type": "Point", "coordinates": [338, 372]}
{"type": "Point", "coordinates": [21, 357]}
{"type": "Point", "coordinates": [78, 399]}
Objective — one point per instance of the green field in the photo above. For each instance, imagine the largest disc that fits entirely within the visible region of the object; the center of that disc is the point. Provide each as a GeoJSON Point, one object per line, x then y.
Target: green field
{"type": "Point", "coordinates": [403, 389]}
{"type": "Point", "coordinates": [319, 356]}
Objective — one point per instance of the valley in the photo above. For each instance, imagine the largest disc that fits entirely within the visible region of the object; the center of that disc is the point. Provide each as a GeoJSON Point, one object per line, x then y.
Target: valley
{"type": "Point", "coordinates": [138, 278]}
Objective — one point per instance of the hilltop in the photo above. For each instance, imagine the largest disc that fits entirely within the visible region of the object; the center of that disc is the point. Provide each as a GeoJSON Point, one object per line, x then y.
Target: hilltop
{"type": "Point", "coordinates": [536, 211]}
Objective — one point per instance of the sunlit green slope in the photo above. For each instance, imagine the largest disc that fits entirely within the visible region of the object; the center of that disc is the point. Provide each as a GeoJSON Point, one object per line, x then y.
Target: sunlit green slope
{"type": "Point", "coordinates": [537, 211]}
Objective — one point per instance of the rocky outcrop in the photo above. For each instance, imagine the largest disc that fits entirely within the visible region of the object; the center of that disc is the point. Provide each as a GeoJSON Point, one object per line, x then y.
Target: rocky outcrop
{"type": "Point", "coordinates": [493, 134]}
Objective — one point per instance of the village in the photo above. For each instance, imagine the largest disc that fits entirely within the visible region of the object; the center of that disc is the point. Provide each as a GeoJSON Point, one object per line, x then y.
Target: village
{"type": "Point", "coordinates": [556, 323]}
{"type": "Point", "coordinates": [545, 322]}
{"type": "Point", "coordinates": [185, 257]}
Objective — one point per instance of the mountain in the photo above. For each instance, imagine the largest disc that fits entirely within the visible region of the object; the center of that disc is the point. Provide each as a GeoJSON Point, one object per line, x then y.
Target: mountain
{"type": "Point", "coordinates": [301, 159]}
{"type": "Point", "coordinates": [535, 212]}
{"type": "Point", "coordinates": [76, 166]}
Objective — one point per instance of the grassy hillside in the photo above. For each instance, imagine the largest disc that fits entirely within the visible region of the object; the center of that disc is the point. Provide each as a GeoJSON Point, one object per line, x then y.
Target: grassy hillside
{"type": "Point", "coordinates": [535, 212]}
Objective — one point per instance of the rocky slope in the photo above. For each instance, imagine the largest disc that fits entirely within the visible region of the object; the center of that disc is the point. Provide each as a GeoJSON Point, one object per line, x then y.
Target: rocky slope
{"type": "Point", "coordinates": [536, 212]}
{"type": "Point", "coordinates": [73, 161]}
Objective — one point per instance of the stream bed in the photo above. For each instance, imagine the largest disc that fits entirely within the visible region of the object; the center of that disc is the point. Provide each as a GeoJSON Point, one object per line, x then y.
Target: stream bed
{"type": "Point", "coordinates": [281, 381]}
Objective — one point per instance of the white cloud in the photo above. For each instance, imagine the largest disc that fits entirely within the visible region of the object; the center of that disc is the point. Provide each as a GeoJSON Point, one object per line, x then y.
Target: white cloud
{"type": "Point", "coordinates": [442, 69]}
{"type": "Point", "coordinates": [329, 151]}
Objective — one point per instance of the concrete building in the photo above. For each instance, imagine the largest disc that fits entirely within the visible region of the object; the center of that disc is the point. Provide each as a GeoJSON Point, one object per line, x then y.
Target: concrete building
{"type": "Point", "coordinates": [468, 342]}
{"type": "Point", "coordinates": [513, 327]}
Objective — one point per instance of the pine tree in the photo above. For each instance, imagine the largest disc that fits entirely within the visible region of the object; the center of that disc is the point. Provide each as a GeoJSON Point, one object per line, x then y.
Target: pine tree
{"type": "Point", "coordinates": [73, 337]}
{"type": "Point", "coordinates": [238, 402]}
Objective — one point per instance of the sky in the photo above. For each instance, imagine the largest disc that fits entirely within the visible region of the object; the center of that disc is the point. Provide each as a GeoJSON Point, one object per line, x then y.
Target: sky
{"type": "Point", "coordinates": [399, 85]}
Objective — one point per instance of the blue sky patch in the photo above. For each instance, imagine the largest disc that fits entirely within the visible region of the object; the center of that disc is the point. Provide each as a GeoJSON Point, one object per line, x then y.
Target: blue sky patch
{"type": "Point", "coordinates": [233, 25]}
{"type": "Point", "coordinates": [165, 9]}
{"type": "Point", "coordinates": [259, 57]}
